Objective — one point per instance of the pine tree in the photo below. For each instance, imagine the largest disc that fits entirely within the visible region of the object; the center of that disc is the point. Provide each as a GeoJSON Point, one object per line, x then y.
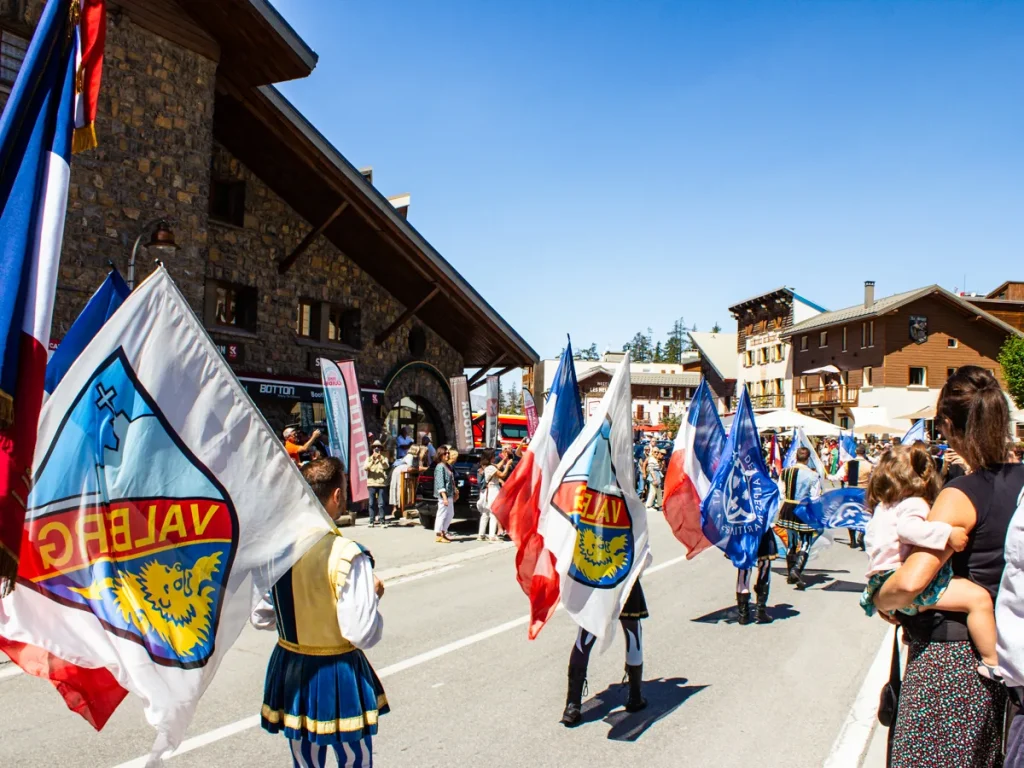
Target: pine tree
{"type": "Point", "coordinates": [716, 328]}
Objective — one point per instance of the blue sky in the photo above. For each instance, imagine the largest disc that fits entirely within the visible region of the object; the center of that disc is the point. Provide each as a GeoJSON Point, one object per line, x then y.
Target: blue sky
{"type": "Point", "coordinates": [600, 167]}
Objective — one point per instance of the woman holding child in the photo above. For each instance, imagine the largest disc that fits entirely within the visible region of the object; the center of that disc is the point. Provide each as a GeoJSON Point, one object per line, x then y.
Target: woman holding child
{"type": "Point", "coordinates": [950, 708]}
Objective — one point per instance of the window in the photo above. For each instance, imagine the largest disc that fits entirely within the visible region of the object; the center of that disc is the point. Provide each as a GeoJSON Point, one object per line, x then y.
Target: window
{"type": "Point", "coordinates": [871, 333]}
{"type": "Point", "coordinates": [866, 380]}
{"type": "Point", "coordinates": [304, 325]}
{"type": "Point", "coordinates": [918, 376]}
{"type": "Point", "coordinates": [748, 358]}
{"type": "Point", "coordinates": [665, 411]}
{"type": "Point", "coordinates": [803, 343]}
{"type": "Point", "coordinates": [950, 372]}
{"type": "Point", "coordinates": [778, 353]}
{"type": "Point", "coordinates": [666, 393]}
{"type": "Point", "coordinates": [762, 355]}
{"type": "Point", "coordinates": [228, 305]}
{"type": "Point", "coordinates": [844, 338]}
{"type": "Point", "coordinates": [417, 341]}
{"type": "Point", "coordinates": [227, 201]}
{"type": "Point", "coordinates": [823, 339]}
{"type": "Point", "coordinates": [12, 54]}
{"type": "Point", "coordinates": [639, 413]}
{"type": "Point", "coordinates": [803, 383]}
{"type": "Point", "coordinates": [867, 334]}
{"type": "Point", "coordinates": [952, 343]}
{"type": "Point", "coordinates": [779, 387]}
{"type": "Point", "coordinates": [513, 431]}
{"type": "Point", "coordinates": [344, 326]}
{"type": "Point", "coordinates": [844, 422]}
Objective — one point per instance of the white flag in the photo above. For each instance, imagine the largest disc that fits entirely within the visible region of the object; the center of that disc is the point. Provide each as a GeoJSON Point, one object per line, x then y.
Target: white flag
{"type": "Point", "coordinates": [592, 520]}
{"type": "Point", "coordinates": [161, 501]}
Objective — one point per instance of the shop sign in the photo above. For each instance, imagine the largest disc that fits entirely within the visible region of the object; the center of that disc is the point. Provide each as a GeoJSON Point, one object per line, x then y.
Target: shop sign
{"type": "Point", "coordinates": [232, 352]}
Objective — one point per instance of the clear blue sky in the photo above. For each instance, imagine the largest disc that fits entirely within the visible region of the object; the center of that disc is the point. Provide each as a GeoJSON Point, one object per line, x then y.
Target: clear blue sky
{"type": "Point", "coordinates": [600, 167]}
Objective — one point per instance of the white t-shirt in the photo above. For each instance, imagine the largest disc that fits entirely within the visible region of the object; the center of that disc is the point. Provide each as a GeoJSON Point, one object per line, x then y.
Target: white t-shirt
{"type": "Point", "coordinates": [491, 486]}
{"type": "Point", "coordinates": [1010, 603]}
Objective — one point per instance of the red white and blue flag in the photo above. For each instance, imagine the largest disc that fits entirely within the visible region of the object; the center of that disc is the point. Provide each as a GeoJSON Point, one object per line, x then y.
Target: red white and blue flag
{"type": "Point", "coordinates": [695, 456]}
{"type": "Point", "coordinates": [518, 506]}
{"type": "Point", "coordinates": [36, 134]}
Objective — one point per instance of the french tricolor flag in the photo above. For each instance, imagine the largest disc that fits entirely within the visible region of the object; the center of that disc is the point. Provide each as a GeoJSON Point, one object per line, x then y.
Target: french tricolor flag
{"type": "Point", "coordinates": [695, 457]}
{"type": "Point", "coordinates": [36, 134]}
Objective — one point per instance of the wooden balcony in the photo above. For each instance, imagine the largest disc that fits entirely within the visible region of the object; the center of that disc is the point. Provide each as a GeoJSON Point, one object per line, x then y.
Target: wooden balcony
{"type": "Point", "coordinates": [843, 397]}
{"type": "Point", "coordinates": [761, 402]}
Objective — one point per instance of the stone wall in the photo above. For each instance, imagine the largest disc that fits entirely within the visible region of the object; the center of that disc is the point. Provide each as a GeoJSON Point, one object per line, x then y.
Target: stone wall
{"type": "Point", "coordinates": [155, 129]}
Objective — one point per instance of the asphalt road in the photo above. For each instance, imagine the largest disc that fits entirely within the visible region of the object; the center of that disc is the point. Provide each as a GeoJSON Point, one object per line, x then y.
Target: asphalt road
{"type": "Point", "coordinates": [467, 688]}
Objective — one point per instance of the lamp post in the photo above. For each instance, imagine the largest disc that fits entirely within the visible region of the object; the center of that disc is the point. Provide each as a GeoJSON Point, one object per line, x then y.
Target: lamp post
{"type": "Point", "coordinates": [160, 237]}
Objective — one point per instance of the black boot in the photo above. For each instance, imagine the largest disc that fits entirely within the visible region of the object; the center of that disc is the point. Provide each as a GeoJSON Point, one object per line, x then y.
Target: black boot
{"type": "Point", "coordinates": [635, 675]}
{"type": "Point", "coordinates": [762, 616]}
{"type": "Point", "coordinates": [574, 698]}
{"type": "Point", "coordinates": [790, 562]}
{"type": "Point", "coordinates": [743, 608]}
{"type": "Point", "coordinates": [798, 570]}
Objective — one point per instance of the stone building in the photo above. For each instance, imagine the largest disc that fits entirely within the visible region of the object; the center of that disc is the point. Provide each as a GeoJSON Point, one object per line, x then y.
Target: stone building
{"type": "Point", "coordinates": [285, 250]}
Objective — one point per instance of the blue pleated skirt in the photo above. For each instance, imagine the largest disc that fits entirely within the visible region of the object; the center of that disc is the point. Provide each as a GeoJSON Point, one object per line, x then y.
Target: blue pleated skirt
{"type": "Point", "coordinates": [322, 699]}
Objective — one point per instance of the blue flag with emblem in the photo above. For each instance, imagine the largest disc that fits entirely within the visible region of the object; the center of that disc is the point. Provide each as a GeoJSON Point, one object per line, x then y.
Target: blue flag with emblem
{"type": "Point", "coordinates": [104, 303]}
{"type": "Point", "coordinates": [839, 508]}
{"type": "Point", "coordinates": [743, 498]}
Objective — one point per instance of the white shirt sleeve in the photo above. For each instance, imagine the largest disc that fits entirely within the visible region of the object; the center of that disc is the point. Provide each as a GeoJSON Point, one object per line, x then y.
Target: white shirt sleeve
{"type": "Point", "coordinates": [913, 527]}
{"type": "Point", "coordinates": [816, 489]}
{"type": "Point", "coordinates": [263, 615]}
{"type": "Point", "coordinates": [358, 618]}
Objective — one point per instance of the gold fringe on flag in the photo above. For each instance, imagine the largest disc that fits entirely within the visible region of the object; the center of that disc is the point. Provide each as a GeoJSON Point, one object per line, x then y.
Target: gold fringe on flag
{"type": "Point", "coordinates": [84, 139]}
{"type": "Point", "coordinates": [8, 570]}
{"type": "Point", "coordinates": [6, 410]}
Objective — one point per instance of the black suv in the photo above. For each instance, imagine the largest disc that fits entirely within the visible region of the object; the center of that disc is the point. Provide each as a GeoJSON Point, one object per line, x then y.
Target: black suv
{"type": "Point", "coordinates": [467, 483]}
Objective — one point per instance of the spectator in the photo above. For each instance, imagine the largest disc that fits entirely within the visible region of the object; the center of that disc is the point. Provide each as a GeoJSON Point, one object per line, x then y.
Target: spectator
{"type": "Point", "coordinates": [444, 490]}
{"type": "Point", "coordinates": [491, 477]}
{"type": "Point", "coordinates": [654, 479]}
{"type": "Point", "coordinates": [376, 482]}
{"type": "Point", "coordinates": [297, 445]}
{"type": "Point", "coordinates": [428, 452]}
{"type": "Point", "coordinates": [402, 443]}
{"type": "Point", "coordinates": [400, 478]}
{"type": "Point", "coordinates": [949, 715]}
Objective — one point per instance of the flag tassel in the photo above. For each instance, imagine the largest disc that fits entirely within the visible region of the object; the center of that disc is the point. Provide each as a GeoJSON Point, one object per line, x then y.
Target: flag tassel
{"type": "Point", "coordinates": [84, 138]}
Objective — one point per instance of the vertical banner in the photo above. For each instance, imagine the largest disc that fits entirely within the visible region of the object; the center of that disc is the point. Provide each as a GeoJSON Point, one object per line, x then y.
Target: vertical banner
{"type": "Point", "coordinates": [358, 447]}
{"type": "Point", "coordinates": [336, 403]}
{"type": "Point", "coordinates": [530, 409]}
{"type": "Point", "coordinates": [463, 414]}
{"type": "Point", "coordinates": [491, 431]}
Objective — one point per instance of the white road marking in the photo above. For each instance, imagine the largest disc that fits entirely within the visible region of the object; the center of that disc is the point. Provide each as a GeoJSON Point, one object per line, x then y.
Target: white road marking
{"type": "Point", "coordinates": [196, 742]}
{"type": "Point", "coordinates": [394, 582]}
{"type": "Point", "coordinates": [14, 670]}
{"type": "Point", "coordinates": [849, 746]}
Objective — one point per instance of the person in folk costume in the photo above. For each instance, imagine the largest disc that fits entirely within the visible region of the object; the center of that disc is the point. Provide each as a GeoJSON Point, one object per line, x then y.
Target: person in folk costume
{"type": "Point", "coordinates": [799, 483]}
{"type": "Point", "coordinates": [858, 475]}
{"type": "Point", "coordinates": [633, 612]}
{"type": "Point", "coordinates": [767, 550]}
{"type": "Point", "coordinates": [321, 691]}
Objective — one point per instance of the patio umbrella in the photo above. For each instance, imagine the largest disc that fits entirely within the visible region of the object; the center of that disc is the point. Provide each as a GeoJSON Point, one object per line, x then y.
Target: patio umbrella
{"type": "Point", "coordinates": [877, 429]}
{"type": "Point", "coordinates": [783, 419]}
{"type": "Point", "coordinates": [928, 412]}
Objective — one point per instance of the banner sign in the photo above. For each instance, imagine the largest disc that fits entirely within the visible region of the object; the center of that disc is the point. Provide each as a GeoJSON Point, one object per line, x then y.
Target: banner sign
{"type": "Point", "coordinates": [463, 414]}
{"type": "Point", "coordinates": [530, 409]}
{"type": "Point", "coordinates": [336, 405]}
{"type": "Point", "coordinates": [491, 424]}
{"type": "Point", "coordinates": [358, 446]}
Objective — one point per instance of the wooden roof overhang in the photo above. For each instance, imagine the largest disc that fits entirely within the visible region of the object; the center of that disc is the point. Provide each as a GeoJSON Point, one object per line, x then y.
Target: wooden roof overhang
{"type": "Point", "coordinates": [266, 133]}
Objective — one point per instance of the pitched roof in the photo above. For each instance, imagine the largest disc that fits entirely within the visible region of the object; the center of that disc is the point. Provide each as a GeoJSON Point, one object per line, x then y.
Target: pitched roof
{"type": "Point", "coordinates": [888, 304]}
{"type": "Point", "coordinates": [683, 379]}
{"type": "Point", "coordinates": [780, 290]}
{"type": "Point", "coordinates": [719, 349]}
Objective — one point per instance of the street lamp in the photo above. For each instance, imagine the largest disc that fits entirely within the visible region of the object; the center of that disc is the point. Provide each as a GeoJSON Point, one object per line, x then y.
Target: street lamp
{"type": "Point", "coordinates": [161, 238]}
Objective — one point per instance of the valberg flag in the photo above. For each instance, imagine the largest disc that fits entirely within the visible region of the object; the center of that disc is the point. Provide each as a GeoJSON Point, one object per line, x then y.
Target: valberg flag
{"type": "Point", "coordinates": [518, 506]}
{"type": "Point", "coordinates": [161, 501]}
{"type": "Point", "coordinates": [592, 521]}
{"type": "Point", "coordinates": [695, 457]}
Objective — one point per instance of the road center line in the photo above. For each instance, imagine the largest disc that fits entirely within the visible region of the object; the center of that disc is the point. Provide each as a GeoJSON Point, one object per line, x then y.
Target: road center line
{"type": "Point", "coordinates": [14, 670]}
{"type": "Point", "coordinates": [217, 734]}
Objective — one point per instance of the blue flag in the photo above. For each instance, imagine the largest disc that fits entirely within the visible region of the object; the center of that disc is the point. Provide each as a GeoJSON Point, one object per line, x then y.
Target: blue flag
{"type": "Point", "coordinates": [915, 434]}
{"type": "Point", "coordinates": [847, 448]}
{"type": "Point", "coordinates": [790, 458]}
{"type": "Point", "coordinates": [743, 498]}
{"type": "Point", "coordinates": [840, 508]}
{"type": "Point", "coordinates": [101, 306]}
{"type": "Point", "coordinates": [568, 417]}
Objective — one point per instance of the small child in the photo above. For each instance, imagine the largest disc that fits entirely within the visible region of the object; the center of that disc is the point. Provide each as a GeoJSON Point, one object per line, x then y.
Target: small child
{"type": "Point", "coordinates": [903, 486]}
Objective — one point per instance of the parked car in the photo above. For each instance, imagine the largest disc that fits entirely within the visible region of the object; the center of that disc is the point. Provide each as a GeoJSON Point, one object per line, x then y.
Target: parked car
{"type": "Point", "coordinates": [466, 469]}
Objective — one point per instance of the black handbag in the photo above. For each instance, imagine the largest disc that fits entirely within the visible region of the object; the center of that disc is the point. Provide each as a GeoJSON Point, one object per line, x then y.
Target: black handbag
{"type": "Point", "coordinates": [889, 701]}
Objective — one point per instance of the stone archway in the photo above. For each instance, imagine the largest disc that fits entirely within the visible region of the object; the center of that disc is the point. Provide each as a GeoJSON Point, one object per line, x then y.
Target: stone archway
{"type": "Point", "coordinates": [424, 389]}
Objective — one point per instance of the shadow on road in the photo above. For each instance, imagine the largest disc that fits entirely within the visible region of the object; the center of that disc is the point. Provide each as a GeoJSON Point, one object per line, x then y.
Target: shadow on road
{"type": "Point", "coordinates": [779, 612]}
{"type": "Point", "coordinates": [663, 698]}
{"type": "Point", "coordinates": [845, 586]}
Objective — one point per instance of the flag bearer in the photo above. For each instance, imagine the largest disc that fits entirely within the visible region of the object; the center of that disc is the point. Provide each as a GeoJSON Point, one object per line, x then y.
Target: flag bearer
{"type": "Point", "coordinates": [799, 483]}
{"type": "Point", "coordinates": [767, 550]}
{"type": "Point", "coordinates": [321, 691]}
{"type": "Point", "coordinates": [634, 610]}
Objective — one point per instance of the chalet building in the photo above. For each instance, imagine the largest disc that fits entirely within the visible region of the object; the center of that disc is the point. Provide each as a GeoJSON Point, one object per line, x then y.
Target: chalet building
{"type": "Point", "coordinates": [1006, 303]}
{"type": "Point", "coordinates": [658, 389]}
{"type": "Point", "coordinates": [894, 353]}
{"type": "Point", "coordinates": [285, 250]}
{"type": "Point", "coordinates": [765, 360]}
{"type": "Point", "coordinates": [718, 366]}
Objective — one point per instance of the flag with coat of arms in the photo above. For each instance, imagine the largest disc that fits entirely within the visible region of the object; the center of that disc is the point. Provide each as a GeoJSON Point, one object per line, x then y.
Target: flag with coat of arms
{"type": "Point", "coordinates": [592, 520]}
{"type": "Point", "coordinates": [162, 502]}
{"type": "Point", "coordinates": [743, 499]}
{"type": "Point", "coordinates": [53, 99]}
